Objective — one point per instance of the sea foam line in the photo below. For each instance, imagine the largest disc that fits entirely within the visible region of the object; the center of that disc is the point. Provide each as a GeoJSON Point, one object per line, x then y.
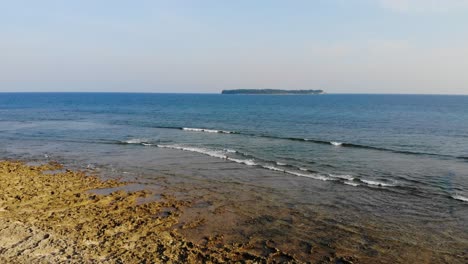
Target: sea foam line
{"type": "Point", "coordinates": [213, 153]}
{"type": "Point", "coordinates": [317, 141]}
{"type": "Point", "coordinates": [135, 141]}
{"type": "Point", "coordinates": [342, 176]}
{"type": "Point", "coordinates": [351, 183]}
{"type": "Point", "coordinates": [376, 183]}
{"type": "Point", "coordinates": [222, 154]}
{"type": "Point", "coordinates": [312, 176]}
{"type": "Point", "coordinates": [460, 198]}
{"type": "Point", "coordinates": [207, 130]}
{"type": "Point", "coordinates": [248, 162]}
{"type": "Point", "coordinates": [273, 168]}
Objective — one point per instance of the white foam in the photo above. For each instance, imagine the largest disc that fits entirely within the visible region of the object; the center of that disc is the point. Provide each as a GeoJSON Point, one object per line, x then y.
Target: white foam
{"type": "Point", "coordinates": [209, 152]}
{"type": "Point", "coordinates": [205, 130]}
{"type": "Point", "coordinates": [273, 168]}
{"type": "Point", "coordinates": [376, 183]}
{"type": "Point", "coordinates": [280, 164]}
{"type": "Point", "coordinates": [134, 141]}
{"type": "Point", "coordinates": [342, 176]}
{"type": "Point", "coordinates": [147, 144]}
{"type": "Point", "coordinates": [230, 150]}
{"type": "Point", "coordinates": [336, 144]}
{"type": "Point", "coordinates": [248, 162]}
{"type": "Point", "coordinates": [312, 176]}
{"type": "Point", "coordinates": [303, 169]}
{"type": "Point", "coordinates": [351, 183]}
{"type": "Point", "coordinates": [222, 154]}
{"type": "Point", "coordinates": [460, 198]}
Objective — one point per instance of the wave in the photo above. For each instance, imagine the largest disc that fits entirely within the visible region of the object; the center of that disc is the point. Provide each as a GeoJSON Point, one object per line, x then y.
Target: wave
{"type": "Point", "coordinates": [248, 162]}
{"type": "Point", "coordinates": [207, 130]}
{"type": "Point", "coordinates": [235, 156]}
{"type": "Point", "coordinates": [352, 145]}
{"type": "Point", "coordinates": [343, 177]}
{"type": "Point", "coordinates": [277, 166]}
{"type": "Point", "coordinates": [316, 141]}
{"type": "Point", "coordinates": [138, 141]}
{"type": "Point", "coordinates": [351, 183]}
{"type": "Point", "coordinates": [316, 176]}
{"type": "Point", "coordinates": [312, 176]}
{"type": "Point", "coordinates": [230, 151]}
{"type": "Point", "coordinates": [273, 168]}
{"type": "Point", "coordinates": [252, 161]}
{"type": "Point", "coordinates": [376, 183]}
{"type": "Point", "coordinates": [221, 154]}
{"type": "Point", "coordinates": [460, 198]}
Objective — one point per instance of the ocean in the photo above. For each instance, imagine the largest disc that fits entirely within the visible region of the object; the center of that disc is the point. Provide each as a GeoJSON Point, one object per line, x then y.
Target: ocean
{"type": "Point", "coordinates": [337, 170]}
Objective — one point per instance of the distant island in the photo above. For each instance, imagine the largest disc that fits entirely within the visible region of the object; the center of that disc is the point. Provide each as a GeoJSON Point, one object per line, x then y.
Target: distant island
{"type": "Point", "coordinates": [271, 91]}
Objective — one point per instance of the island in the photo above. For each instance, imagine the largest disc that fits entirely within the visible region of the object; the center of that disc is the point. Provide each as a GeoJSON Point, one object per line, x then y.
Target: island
{"type": "Point", "coordinates": [271, 91]}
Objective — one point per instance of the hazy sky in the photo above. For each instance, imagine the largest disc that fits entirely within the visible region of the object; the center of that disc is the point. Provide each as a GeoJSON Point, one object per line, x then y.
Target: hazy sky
{"type": "Point", "coordinates": [341, 46]}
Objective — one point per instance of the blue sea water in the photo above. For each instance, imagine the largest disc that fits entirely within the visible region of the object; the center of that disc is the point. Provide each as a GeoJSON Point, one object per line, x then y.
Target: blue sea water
{"type": "Point", "coordinates": [385, 155]}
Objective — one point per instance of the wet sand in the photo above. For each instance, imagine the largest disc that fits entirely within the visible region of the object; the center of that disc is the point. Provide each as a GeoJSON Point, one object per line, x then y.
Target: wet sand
{"type": "Point", "coordinates": [49, 215]}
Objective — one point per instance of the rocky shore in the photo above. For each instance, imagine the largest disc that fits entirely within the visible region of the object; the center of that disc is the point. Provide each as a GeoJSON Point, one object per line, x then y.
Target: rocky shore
{"type": "Point", "coordinates": [50, 215]}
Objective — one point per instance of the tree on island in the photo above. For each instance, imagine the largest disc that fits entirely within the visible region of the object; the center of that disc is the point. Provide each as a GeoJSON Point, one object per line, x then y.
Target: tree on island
{"type": "Point", "coordinates": [271, 91]}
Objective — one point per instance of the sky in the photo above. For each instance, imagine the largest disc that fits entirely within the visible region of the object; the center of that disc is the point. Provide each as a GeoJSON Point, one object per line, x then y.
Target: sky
{"type": "Point", "coordinates": [205, 46]}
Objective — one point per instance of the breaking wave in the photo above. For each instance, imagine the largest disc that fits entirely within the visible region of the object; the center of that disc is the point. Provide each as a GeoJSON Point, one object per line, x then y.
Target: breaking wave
{"type": "Point", "coordinates": [460, 198]}
{"type": "Point", "coordinates": [316, 141]}
{"type": "Point", "coordinates": [351, 183]}
{"type": "Point", "coordinates": [248, 162]}
{"type": "Point", "coordinates": [138, 141]}
{"type": "Point", "coordinates": [221, 154]}
{"type": "Point", "coordinates": [232, 156]}
{"type": "Point", "coordinates": [207, 130]}
{"type": "Point", "coordinates": [377, 183]}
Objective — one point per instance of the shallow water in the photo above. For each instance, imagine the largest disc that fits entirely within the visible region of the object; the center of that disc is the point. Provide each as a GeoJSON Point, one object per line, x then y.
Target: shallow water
{"type": "Point", "coordinates": [377, 175]}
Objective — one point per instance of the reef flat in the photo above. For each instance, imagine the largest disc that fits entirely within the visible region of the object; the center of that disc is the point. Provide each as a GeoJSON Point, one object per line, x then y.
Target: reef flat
{"type": "Point", "coordinates": [48, 214]}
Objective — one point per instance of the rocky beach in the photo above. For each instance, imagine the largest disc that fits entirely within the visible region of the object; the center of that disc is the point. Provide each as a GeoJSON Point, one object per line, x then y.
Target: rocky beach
{"type": "Point", "coordinates": [49, 215]}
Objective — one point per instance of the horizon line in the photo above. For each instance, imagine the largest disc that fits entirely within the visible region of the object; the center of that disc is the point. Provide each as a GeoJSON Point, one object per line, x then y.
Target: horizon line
{"type": "Point", "coordinates": [209, 93]}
